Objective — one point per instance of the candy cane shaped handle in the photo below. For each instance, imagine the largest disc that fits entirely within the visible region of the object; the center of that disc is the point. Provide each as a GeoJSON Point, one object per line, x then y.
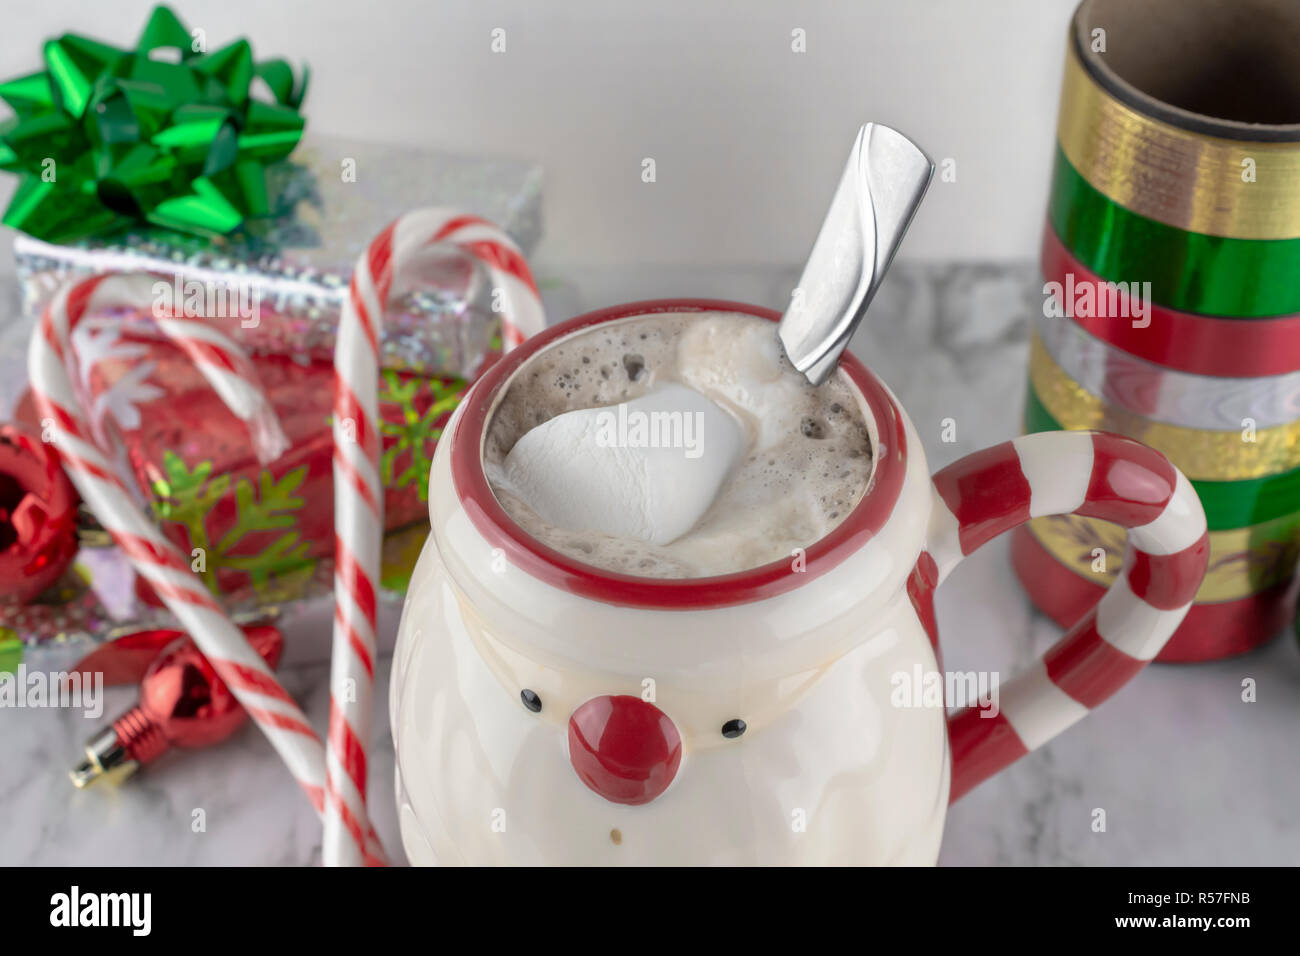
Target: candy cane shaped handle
{"type": "Point", "coordinates": [1101, 476]}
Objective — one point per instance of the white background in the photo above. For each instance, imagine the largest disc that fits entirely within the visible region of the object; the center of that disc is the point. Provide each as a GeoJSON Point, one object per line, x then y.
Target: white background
{"type": "Point", "coordinates": [749, 138]}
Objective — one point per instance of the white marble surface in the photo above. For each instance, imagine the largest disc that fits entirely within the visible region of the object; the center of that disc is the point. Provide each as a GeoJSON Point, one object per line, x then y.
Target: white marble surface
{"type": "Point", "coordinates": [1186, 772]}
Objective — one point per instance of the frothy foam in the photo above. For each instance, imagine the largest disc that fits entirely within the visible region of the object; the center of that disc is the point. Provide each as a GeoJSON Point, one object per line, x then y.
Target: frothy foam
{"type": "Point", "coordinates": [807, 455]}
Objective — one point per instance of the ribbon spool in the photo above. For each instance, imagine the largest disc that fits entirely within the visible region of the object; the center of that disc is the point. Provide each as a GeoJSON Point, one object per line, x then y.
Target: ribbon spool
{"type": "Point", "coordinates": [1171, 260]}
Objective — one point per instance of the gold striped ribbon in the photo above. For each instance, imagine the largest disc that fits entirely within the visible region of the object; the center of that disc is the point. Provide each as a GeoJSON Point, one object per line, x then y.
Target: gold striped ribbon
{"type": "Point", "coordinates": [1183, 179]}
{"type": "Point", "coordinates": [1243, 561]}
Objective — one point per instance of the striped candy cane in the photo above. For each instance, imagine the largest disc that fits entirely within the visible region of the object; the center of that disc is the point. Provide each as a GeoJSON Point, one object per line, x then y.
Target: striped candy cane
{"type": "Point", "coordinates": [156, 559]}
{"type": "Point", "coordinates": [1055, 473]}
{"type": "Point", "coordinates": [358, 493]}
{"type": "Point", "coordinates": [219, 360]}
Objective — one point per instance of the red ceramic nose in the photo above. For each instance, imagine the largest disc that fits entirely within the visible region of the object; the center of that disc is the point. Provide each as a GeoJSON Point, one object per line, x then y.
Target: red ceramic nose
{"type": "Point", "coordinates": [624, 748]}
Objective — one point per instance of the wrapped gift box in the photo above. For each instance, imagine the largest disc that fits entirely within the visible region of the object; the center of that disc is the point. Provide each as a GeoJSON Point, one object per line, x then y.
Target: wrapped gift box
{"type": "Point", "coordinates": [190, 146]}
{"type": "Point", "coordinates": [438, 332]}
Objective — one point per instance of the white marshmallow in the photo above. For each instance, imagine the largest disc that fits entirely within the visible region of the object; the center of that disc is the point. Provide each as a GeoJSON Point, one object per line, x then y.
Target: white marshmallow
{"type": "Point", "coordinates": [647, 469]}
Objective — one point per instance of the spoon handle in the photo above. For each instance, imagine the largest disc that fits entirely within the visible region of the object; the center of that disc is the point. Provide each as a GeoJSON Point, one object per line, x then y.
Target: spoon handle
{"type": "Point", "coordinates": [883, 182]}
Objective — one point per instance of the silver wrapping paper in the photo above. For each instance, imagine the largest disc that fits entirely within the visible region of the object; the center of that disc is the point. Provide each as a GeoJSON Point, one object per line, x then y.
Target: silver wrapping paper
{"type": "Point", "coordinates": [332, 197]}
{"type": "Point", "coordinates": [1167, 395]}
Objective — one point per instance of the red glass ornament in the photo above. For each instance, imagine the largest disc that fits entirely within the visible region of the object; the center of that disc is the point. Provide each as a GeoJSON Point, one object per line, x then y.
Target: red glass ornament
{"type": "Point", "coordinates": [38, 516]}
{"type": "Point", "coordinates": [183, 703]}
{"type": "Point", "coordinates": [625, 749]}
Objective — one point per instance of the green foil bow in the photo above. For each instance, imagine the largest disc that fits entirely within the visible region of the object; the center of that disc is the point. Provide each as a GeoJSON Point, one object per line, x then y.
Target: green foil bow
{"type": "Point", "coordinates": [105, 138]}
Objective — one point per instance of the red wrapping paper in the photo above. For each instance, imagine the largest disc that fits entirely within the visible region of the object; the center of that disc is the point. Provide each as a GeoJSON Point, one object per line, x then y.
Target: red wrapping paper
{"type": "Point", "coordinates": [257, 533]}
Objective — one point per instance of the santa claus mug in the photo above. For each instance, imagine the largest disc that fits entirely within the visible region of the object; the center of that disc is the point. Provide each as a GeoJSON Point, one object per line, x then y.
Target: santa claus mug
{"type": "Point", "coordinates": [549, 712]}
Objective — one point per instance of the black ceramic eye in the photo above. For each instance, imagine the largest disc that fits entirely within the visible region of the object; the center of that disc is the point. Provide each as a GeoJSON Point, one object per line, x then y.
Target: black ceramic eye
{"type": "Point", "coordinates": [533, 702]}
{"type": "Point", "coordinates": [733, 728]}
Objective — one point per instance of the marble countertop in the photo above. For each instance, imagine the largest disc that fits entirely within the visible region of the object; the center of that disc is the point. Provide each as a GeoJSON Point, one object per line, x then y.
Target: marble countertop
{"type": "Point", "coordinates": [1186, 772]}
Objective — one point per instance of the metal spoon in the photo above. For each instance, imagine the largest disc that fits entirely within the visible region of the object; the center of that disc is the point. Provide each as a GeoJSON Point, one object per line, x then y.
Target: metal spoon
{"type": "Point", "coordinates": [883, 182]}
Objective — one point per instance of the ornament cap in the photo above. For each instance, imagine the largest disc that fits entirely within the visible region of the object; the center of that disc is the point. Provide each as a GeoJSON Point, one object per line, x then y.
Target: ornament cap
{"type": "Point", "coordinates": [106, 759]}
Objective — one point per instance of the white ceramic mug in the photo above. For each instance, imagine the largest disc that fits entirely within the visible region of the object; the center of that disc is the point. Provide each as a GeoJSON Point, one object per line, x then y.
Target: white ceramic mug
{"type": "Point", "coordinates": [549, 712]}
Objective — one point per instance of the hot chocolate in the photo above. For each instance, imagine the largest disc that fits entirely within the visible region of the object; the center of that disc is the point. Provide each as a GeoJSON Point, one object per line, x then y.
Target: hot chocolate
{"type": "Point", "coordinates": [676, 445]}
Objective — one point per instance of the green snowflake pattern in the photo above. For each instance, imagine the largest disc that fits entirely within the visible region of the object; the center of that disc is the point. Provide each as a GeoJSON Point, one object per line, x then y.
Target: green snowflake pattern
{"type": "Point", "coordinates": [415, 432]}
{"type": "Point", "coordinates": [187, 497]}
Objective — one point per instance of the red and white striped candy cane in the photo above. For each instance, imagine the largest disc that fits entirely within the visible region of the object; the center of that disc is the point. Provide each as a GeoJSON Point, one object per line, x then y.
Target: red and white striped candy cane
{"type": "Point", "coordinates": [154, 557]}
{"type": "Point", "coordinates": [219, 360]}
{"type": "Point", "coordinates": [358, 493]}
{"type": "Point", "coordinates": [1056, 473]}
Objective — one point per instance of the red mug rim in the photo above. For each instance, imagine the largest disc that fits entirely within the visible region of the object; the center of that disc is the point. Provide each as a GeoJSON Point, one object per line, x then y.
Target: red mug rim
{"type": "Point", "coordinates": [740, 587]}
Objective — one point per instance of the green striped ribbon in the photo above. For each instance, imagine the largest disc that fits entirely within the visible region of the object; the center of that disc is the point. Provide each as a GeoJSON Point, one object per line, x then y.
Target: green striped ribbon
{"type": "Point", "coordinates": [1188, 271]}
{"type": "Point", "coordinates": [1228, 504]}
